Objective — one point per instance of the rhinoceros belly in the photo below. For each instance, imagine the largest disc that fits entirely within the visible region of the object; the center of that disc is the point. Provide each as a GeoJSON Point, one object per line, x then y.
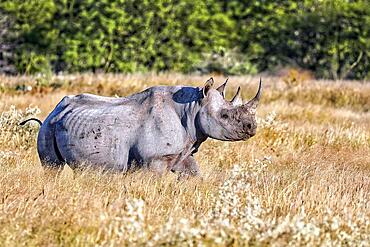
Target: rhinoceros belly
{"type": "Point", "coordinates": [94, 136]}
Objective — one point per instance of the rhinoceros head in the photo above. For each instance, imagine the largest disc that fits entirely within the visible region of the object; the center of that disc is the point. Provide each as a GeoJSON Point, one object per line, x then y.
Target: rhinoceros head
{"type": "Point", "coordinates": [227, 120]}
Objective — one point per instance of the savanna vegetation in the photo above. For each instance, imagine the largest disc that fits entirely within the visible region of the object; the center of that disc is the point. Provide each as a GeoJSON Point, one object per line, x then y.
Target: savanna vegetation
{"type": "Point", "coordinates": [329, 38]}
{"type": "Point", "coordinates": [303, 180]}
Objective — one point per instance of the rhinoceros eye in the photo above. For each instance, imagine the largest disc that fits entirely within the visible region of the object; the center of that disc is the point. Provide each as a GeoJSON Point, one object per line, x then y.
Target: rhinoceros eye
{"type": "Point", "coordinates": [224, 115]}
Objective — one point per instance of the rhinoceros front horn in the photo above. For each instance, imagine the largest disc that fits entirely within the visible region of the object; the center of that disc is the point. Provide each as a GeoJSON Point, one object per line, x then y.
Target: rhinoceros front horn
{"type": "Point", "coordinates": [253, 103]}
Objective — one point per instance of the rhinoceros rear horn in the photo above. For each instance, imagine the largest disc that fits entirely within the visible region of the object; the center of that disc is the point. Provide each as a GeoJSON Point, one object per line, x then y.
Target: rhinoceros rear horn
{"type": "Point", "coordinates": [222, 88]}
{"type": "Point", "coordinates": [253, 103]}
{"type": "Point", "coordinates": [207, 86]}
{"type": "Point", "coordinates": [237, 99]}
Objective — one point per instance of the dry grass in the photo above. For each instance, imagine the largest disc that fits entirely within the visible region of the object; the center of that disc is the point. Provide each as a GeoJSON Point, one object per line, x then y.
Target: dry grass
{"type": "Point", "coordinates": [304, 179]}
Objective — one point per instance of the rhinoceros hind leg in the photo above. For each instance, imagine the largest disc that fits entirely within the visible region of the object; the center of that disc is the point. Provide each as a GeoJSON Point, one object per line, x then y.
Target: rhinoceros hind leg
{"type": "Point", "coordinates": [52, 170]}
{"type": "Point", "coordinates": [50, 157]}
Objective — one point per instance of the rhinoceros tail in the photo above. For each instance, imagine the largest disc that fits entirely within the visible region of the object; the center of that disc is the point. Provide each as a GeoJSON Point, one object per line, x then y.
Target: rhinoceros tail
{"type": "Point", "coordinates": [34, 119]}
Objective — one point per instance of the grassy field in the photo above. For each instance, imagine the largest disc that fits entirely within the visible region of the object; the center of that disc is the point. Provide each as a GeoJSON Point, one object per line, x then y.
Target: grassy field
{"type": "Point", "coordinates": [304, 179]}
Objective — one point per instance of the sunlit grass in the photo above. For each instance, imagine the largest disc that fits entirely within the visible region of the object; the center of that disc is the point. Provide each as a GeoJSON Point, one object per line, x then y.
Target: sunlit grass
{"type": "Point", "coordinates": [304, 179]}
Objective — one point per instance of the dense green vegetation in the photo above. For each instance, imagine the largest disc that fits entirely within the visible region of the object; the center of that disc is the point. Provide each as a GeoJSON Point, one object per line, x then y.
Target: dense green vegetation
{"type": "Point", "coordinates": [328, 37]}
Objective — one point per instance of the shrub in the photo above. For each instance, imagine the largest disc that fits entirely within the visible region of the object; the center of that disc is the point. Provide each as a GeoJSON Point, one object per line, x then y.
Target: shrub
{"type": "Point", "coordinates": [115, 36]}
{"type": "Point", "coordinates": [330, 38]}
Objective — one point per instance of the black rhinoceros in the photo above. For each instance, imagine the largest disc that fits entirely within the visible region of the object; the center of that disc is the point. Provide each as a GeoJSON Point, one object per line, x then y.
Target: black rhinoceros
{"type": "Point", "coordinates": [160, 128]}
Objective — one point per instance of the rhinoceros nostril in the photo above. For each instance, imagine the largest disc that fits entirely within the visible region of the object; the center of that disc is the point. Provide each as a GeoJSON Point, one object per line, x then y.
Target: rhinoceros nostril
{"type": "Point", "coordinates": [249, 126]}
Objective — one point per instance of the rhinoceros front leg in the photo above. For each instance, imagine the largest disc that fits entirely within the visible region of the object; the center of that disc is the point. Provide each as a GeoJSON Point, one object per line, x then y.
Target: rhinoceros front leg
{"type": "Point", "coordinates": [185, 167]}
{"type": "Point", "coordinates": [188, 166]}
{"type": "Point", "coordinates": [160, 165]}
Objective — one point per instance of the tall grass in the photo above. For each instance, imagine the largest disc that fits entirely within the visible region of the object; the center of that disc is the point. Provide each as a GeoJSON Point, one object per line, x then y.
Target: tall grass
{"type": "Point", "coordinates": [304, 179]}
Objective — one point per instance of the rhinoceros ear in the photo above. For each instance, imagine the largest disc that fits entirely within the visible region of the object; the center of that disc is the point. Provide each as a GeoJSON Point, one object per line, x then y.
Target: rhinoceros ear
{"type": "Point", "coordinates": [237, 99]}
{"type": "Point", "coordinates": [207, 86]}
{"type": "Point", "coordinates": [222, 88]}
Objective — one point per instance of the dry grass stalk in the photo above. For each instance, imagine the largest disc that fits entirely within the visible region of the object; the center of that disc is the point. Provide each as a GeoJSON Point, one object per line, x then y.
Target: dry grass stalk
{"type": "Point", "coordinates": [304, 179]}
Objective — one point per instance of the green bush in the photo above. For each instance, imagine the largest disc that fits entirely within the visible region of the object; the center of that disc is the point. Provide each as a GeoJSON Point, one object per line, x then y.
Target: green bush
{"type": "Point", "coordinates": [332, 38]}
{"type": "Point", "coordinates": [329, 37]}
{"type": "Point", "coordinates": [116, 36]}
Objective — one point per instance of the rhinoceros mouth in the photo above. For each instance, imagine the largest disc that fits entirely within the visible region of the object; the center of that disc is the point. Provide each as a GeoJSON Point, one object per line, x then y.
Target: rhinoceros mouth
{"type": "Point", "coordinates": [243, 137]}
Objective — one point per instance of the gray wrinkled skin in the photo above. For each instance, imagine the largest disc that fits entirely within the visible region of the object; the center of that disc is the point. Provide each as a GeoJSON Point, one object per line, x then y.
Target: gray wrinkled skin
{"type": "Point", "coordinates": [160, 128]}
